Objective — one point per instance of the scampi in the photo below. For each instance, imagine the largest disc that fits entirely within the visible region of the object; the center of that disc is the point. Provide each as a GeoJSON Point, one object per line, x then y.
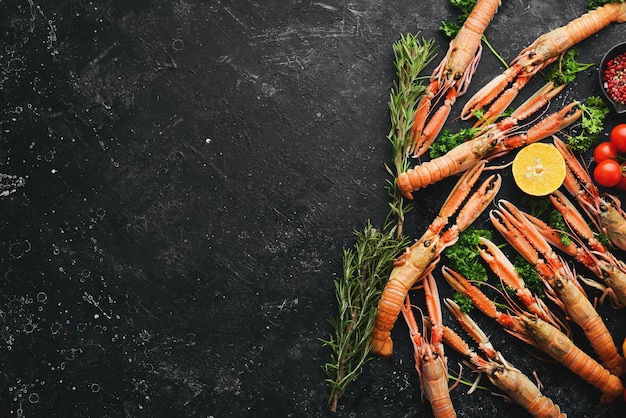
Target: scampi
{"type": "Point", "coordinates": [584, 246]}
{"type": "Point", "coordinates": [537, 56]}
{"type": "Point", "coordinates": [544, 336]}
{"type": "Point", "coordinates": [452, 76]}
{"type": "Point", "coordinates": [502, 374]}
{"type": "Point", "coordinates": [423, 255]}
{"type": "Point", "coordinates": [560, 282]}
{"type": "Point", "coordinates": [492, 141]}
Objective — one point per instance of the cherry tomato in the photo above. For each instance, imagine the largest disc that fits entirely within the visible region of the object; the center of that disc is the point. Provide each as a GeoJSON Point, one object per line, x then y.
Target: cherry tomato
{"type": "Point", "coordinates": [618, 137]}
{"type": "Point", "coordinates": [604, 151]}
{"type": "Point", "coordinates": [608, 173]}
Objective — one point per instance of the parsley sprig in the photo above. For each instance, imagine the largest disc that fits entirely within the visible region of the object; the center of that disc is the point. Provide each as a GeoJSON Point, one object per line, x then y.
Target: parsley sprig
{"type": "Point", "coordinates": [594, 111]}
{"type": "Point", "coordinates": [565, 69]}
{"type": "Point", "coordinates": [448, 140]}
{"type": "Point", "coordinates": [529, 275]}
{"type": "Point", "coordinates": [463, 257]}
{"type": "Point", "coordinates": [557, 222]}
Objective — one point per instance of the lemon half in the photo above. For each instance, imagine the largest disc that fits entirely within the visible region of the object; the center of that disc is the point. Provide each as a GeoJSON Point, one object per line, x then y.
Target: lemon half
{"type": "Point", "coordinates": [539, 169]}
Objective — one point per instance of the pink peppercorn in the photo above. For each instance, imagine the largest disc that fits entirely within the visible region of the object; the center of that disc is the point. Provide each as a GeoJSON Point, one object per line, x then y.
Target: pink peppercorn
{"type": "Point", "coordinates": [615, 78]}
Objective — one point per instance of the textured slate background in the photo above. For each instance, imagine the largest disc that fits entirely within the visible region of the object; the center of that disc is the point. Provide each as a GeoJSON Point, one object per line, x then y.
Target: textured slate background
{"type": "Point", "coordinates": [186, 175]}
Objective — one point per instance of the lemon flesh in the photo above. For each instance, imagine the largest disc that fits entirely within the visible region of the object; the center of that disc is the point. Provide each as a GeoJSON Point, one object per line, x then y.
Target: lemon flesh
{"type": "Point", "coordinates": [539, 169]}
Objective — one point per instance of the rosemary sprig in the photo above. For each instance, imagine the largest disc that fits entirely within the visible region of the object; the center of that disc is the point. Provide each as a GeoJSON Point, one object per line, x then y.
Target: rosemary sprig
{"type": "Point", "coordinates": [412, 55]}
{"type": "Point", "coordinates": [365, 271]}
{"type": "Point", "coordinates": [366, 267]}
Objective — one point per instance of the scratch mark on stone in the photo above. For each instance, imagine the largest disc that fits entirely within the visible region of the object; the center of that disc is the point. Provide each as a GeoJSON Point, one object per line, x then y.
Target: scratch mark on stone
{"type": "Point", "coordinates": [247, 74]}
{"type": "Point", "coordinates": [104, 53]}
{"type": "Point", "coordinates": [288, 60]}
{"type": "Point", "coordinates": [285, 305]}
{"type": "Point", "coordinates": [235, 18]}
{"type": "Point", "coordinates": [173, 124]}
{"type": "Point", "coordinates": [325, 6]}
{"type": "Point", "coordinates": [289, 33]}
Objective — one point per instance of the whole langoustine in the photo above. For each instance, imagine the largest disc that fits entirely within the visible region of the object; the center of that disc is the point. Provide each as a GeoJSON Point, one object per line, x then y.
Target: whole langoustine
{"type": "Point", "coordinates": [515, 384]}
{"type": "Point", "coordinates": [558, 346]}
{"type": "Point", "coordinates": [586, 249]}
{"type": "Point", "coordinates": [546, 337]}
{"type": "Point", "coordinates": [452, 76]}
{"type": "Point", "coordinates": [560, 282]}
{"type": "Point", "coordinates": [421, 257]}
{"type": "Point", "coordinates": [538, 55]}
{"type": "Point", "coordinates": [493, 140]}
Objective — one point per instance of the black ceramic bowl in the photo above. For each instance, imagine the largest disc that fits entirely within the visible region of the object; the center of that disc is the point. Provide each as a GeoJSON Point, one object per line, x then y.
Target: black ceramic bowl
{"type": "Point", "coordinates": [613, 52]}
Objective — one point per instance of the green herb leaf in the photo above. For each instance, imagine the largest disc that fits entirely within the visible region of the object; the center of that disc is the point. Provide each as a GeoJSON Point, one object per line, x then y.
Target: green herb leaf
{"type": "Point", "coordinates": [450, 29]}
{"type": "Point", "coordinates": [565, 69]}
{"type": "Point", "coordinates": [557, 222]}
{"type": "Point", "coordinates": [463, 256]}
{"type": "Point", "coordinates": [530, 276]}
{"type": "Point", "coordinates": [464, 302]}
{"type": "Point", "coordinates": [604, 239]}
{"type": "Point", "coordinates": [594, 4]}
{"type": "Point", "coordinates": [594, 110]}
{"type": "Point", "coordinates": [465, 6]}
{"type": "Point", "coordinates": [448, 140]}
{"type": "Point", "coordinates": [536, 204]}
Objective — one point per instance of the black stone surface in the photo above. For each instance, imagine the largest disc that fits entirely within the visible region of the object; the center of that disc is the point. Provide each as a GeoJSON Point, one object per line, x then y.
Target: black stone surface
{"type": "Point", "coordinates": [179, 180]}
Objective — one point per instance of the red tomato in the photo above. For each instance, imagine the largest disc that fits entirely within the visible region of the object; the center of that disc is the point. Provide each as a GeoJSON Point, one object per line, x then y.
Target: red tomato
{"type": "Point", "coordinates": [608, 173]}
{"type": "Point", "coordinates": [618, 137]}
{"type": "Point", "coordinates": [604, 151]}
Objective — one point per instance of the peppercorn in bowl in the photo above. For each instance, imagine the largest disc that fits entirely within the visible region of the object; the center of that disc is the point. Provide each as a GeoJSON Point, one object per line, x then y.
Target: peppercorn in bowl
{"type": "Point", "coordinates": [612, 74]}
